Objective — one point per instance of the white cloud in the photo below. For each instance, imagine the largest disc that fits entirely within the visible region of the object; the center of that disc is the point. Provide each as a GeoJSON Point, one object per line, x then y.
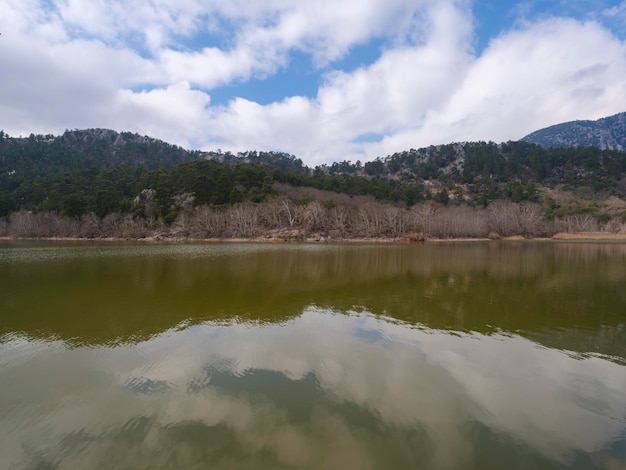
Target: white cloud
{"type": "Point", "coordinates": [616, 11]}
{"type": "Point", "coordinates": [554, 71]}
{"type": "Point", "coordinates": [138, 66]}
{"type": "Point", "coordinates": [549, 72]}
{"type": "Point", "coordinates": [176, 114]}
{"type": "Point", "coordinates": [261, 42]}
{"type": "Point", "coordinates": [156, 22]}
{"type": "Point", "coordinates": [69, 85]}
{"type": "Point", "coordinates": [405, 82]}
{"type": "Point", "coordinates": [386, 96]}
{"type": "Point", "coordinates": [214, 67]}
{"type": "Point", "coordinates": [436, 92]}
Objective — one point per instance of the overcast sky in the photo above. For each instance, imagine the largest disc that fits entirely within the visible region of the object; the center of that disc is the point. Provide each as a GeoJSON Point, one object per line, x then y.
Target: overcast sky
{"type": "Point", "coordinates": [325, 80]}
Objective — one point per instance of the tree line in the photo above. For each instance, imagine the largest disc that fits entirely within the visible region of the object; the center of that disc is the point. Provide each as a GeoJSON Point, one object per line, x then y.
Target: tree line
{"type": "Point", "coordinates": [138, 190]}
{"type": "Point", "coordinates": [281, 218]}
{"type": "Point", "coordinates": [102, 182]}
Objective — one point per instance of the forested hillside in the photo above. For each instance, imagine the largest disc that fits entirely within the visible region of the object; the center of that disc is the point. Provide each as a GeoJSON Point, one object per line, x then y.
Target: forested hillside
{"type": "Point", "coordinates": [100, 172]}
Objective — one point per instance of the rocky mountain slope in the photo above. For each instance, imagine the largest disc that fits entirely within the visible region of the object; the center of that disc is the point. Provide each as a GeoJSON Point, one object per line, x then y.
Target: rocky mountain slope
{"type": "Point", "coordinates": [608, 133]}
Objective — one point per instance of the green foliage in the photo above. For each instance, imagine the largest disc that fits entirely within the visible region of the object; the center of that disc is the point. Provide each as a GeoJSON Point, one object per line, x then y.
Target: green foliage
{"type": "Point", "coordinates": [375, 167]}
{"type": "Point", "coordinates": [442, 197]}
{"type": "Point", "coordinates": [554, 210]}
{"type": "Point", "coordinates": [103, 172]}
{"type": "Point", "coordinates": [604, 218]}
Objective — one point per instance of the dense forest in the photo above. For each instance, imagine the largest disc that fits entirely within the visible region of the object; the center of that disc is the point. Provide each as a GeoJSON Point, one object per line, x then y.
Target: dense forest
{"type": "Point", "coordinates": [97, 175]}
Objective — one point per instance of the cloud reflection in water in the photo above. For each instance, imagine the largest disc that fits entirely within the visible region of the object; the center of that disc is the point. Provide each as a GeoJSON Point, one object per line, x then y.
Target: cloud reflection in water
{"type": "Point", "coordinates": [324, 390]}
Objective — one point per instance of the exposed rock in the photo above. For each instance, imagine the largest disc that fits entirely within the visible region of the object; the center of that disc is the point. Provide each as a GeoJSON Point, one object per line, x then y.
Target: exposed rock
{"type": "Point", "coordinates": [608, 133]}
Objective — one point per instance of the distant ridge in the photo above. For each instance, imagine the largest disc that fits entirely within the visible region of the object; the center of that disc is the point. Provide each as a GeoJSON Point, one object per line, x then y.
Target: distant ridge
{"type": "Point", "coordinates": [607, 133]}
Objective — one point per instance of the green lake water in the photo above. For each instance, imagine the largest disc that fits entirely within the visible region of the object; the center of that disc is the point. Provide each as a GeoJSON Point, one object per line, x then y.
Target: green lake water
{"type": "Point", "coordinates": [259, 356]}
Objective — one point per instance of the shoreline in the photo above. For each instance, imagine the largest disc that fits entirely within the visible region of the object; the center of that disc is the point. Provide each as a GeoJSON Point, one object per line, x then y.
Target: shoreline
{"type": "Point", "coordinates": [561, 236]}
{"type": "Point", "coordinates": [591, 236]}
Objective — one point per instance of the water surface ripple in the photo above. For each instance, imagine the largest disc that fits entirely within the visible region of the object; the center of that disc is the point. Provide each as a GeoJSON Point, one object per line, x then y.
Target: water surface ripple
{"type": "Point", "coordinates": [489, 355]}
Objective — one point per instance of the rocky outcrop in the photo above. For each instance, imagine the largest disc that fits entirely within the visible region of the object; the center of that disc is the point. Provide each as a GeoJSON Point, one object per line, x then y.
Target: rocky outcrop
{"type": "Point", "coordinates": [608, 133]}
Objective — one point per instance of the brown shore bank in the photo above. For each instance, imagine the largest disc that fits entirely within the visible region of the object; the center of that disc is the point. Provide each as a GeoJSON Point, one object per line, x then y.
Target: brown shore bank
{"type": "Point", "coordinates": [590, 236]}
{"type": "Point", "coordinates": [561, 236]}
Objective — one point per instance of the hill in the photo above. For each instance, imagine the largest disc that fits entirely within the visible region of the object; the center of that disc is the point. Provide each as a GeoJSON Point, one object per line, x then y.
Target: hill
{"type": "Point", "coordinates": [101, 172]}
{"type": "Point", "coordinates": [88, 148]}
{"type": "Point", "coordinates": [608, 133]}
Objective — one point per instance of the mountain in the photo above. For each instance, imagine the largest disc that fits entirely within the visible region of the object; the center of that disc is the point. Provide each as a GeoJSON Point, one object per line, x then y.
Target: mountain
{"type": "Point", "coordinates": [88, 148]}
{"type": "Point", "coordinates": [608, 133]}
{"type": "Point", "coordinates": [102, 171]}
{"type": "Point", "coordinates": [105, 148]}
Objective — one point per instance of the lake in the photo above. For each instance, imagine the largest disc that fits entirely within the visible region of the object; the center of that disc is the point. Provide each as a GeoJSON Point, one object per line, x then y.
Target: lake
{"type": "Point", "coordinates": [435, 356]}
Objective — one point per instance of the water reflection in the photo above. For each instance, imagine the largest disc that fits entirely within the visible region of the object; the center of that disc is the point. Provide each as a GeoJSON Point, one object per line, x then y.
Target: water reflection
{"type": "Point", "coordinates": [260, 356]}
{"type": "Point", "coordinates": [112, 294]}
{"type": "Point", "coordinates": [324, 390]}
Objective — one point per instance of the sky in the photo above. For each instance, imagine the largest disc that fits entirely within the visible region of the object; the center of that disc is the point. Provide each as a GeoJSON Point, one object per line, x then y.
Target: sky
{"type": "Point", "coordinates": [325, 80]}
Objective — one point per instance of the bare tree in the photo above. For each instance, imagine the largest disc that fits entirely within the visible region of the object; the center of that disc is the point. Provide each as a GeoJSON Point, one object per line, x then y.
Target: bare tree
{"type": "Point", "coordinates": [462, 221]}
{"type": "Point", "coordinates": [243, 221]}
{"type": "Point", "coordinates": [615, 226]}
{"type": "Point", "coordinates": [315, 216]}
{"type": "Point", "coordinates": [394, 221]}
{"type": "Point", "coordinates": [369, 222]}
{"type": "Point", "coordinates": [111, 225]}
{"type": "Point", "coordinates": [578, 223]}
{"type": "Point", "coordinates": [270, 214]}
{"type": "Point", "coordinates": [339, 219]}
{"type": "Point", "coordinates": [292, 211]}
{"type": "Point", "coordinates": [89, 226]}
{"type": "Point", "coordinates": [421, 218]}
{"type": "Point", "coordinates": [23, 224]}
{"type": "Point", "coordinates": [504, 218]}
{"type": "Point", "coordinates": [184, 225]}
{"type": "Point", "coordinates": [132, 228]}
{"type": "Point", "coordinates": [210, 222]}
{"type": "Point", "coordinates": [63, 226]}
{"type": "Point", "coordinates": [530, 219]}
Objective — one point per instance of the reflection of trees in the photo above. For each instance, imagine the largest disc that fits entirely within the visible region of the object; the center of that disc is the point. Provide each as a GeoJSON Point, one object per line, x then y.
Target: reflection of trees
{"type": "Point", "coordinates": [606, 340]}
{"type": "Point", "coordinates": [479, 287]}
